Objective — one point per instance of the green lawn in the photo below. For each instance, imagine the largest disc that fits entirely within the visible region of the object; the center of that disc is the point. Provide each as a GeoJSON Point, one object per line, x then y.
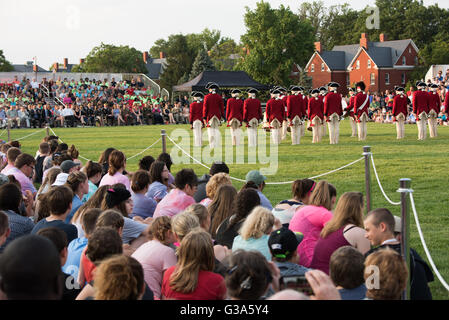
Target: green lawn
{"type": "Point", "coordinates": [425, 162]}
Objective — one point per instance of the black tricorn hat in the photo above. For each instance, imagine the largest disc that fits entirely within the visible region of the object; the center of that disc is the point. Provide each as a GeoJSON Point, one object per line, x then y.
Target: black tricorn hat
{"type": "Point", "coordinates": [361, 85]}
{"type": "Point", "coordinates": [212, 85]}
{"type": "Point", "coordinates": [197, 94]}
{"type": "Point", "coordinates": [252, 90]}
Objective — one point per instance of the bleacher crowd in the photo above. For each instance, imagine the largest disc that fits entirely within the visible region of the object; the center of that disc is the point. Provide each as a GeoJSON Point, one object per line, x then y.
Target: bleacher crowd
{"type": "Point", "coordinates": [96, 231]}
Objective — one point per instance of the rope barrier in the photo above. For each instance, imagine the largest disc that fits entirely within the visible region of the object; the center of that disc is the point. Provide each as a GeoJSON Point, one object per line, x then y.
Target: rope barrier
{"type": "Point", "coordinates": [268, 183]}
{"type": "Point", "coordinates": [418, 226]}
{"type": "Point", "coordinates": [29, 135]}
{"type": "Point", "coordinates": [380, 185]}
{"type": "Point", "coordinates": [3, 132]}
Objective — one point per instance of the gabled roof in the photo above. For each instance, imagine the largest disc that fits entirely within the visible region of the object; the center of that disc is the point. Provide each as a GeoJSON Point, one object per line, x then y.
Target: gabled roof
{"type": "Point", "coordinates": [155, 67]}
{"type": "Point", "coordinates": [335, 60]}
{"type": "Point", "coordinates": [26, 68]}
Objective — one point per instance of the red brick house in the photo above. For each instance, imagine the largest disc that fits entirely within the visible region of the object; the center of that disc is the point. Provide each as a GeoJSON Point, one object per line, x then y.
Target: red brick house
{"type": "Point", "coordinates": [381, 65]}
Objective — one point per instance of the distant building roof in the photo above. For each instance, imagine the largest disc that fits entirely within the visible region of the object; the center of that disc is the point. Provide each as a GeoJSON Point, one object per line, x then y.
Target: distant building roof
{"type": "Point", "coordinates": [26, 68]}
{"type": "Point", "coordinates": [156, 67]}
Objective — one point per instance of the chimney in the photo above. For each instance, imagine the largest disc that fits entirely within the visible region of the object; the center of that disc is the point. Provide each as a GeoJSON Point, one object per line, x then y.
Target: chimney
{"type": "Point", "coordinates": [364, 41]}
{"type": "Point", "coordinates": [66, 63]}
{"type": "Point", "coordinates": [382, 37]}
{"type": "Point", "coordinates": [145, 56]}
{"type": "Point", "coordinates": [81, 61]}
{"type": "Point", "coordinates": [55, 67]}
{"type": "Point", "coordinates": [161, 55]}
{"type": "Point", "coordinates": [318, 47]}
{"type": "Point", "coordinates": [34, 68]}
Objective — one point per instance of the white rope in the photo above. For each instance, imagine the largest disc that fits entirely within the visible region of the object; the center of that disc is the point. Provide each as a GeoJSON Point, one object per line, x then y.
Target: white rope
{"type": "Point", "coordinates": [3, 132]}
{"type": "Point", "coordinates": [268, 183]}
{"type": "Point", "coordinates": [29, 135]}
{"type": "Point", "coordinates": [443, 282]}
{"type": "Point", "coordinates": [144, 150]}
{"type": "Point", "coordinates": [380, 185]}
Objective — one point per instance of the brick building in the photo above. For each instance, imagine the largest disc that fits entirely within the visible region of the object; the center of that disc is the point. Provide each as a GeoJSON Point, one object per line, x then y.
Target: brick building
{"type": "Point", "coordinates": [381, 65]}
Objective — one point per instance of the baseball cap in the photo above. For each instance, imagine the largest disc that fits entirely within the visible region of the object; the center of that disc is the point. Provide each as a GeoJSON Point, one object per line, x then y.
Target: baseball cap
{"type": "Point", "coordinates": [66, 165]}
{"type": "Point", "coordinates": [61, 179]}
{"type": "Point", "coordinates": [115, 196]}
{"type": "Point", "coordinates": [256, 177]}
{"type": "Point", "coordinates": [283, 242]}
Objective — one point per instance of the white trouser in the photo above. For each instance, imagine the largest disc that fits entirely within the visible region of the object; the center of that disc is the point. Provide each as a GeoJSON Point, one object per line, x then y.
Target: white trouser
{"type": "Point", "coordinates": [316, 130]}
{"type": "Point", "coordinates": [284, 129]}
{"type": "Point", "coordinates": [362, 127]}
{"type": "Point", "coordinates": [252, 132]}
{"type": "Point", "coordinates": [236, 132]}
{"type": "Point", "coordinates": [400, 126]}
{"type": "Point", "coordinates": [296, 126]}
{"type": "Point", "coordinates": [422, 126]}
{"type": "Point", "coordinates": [334, 128]}
{"type": "Point", "coordinates": [276, 131]}
{"type": "Point", "coordinates": [353, 127]}
{"type": "Point", "coordinates": [433, 122]}
{"type": "Point", "coordinates": [303, 130]}
{"type": "Point", "coordinates": [213, 132]}
{"type": "Point", "coordinates": [197, 134]}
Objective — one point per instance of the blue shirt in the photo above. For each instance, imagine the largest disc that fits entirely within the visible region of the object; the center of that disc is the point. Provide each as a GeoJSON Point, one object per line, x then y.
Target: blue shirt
{"type": "Point", "coordinates": [132, 230]}
{"type": "Point", "coordinates": [264, 202]}
{"type": "Point", "coordinates": [157, 191]}
{"type": "Point", "coordinates": [92, 189]}
{"type": "Point", "coordinates": [76, 203]}
{"type": "Point", "coordinates": [260, 244]}
{"type": "Point", "coordinates": [19, 226]}
{"type": "Point", "coordinates": [358, 293]}
{"type": "Point", "coordinates": [69, 229]}
{"type": "Point", "coordinates": [142, 205]}
{"type": "Point", "coordinates": [74, 250]}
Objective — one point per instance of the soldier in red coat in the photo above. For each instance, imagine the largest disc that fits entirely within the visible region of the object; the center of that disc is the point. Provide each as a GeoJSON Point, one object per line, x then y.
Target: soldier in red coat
{"type": "Point", "coordinates": [446, 104]}
{"type": "Point", "coordinates": [322, 95]}
{"type": "Point", "coordinates": [296, 112]}
{"type": "Point", "coordinates": [252, 114]}
{"type": "Point", "coordinates": [315, 114]}
{"type": "Point", "coordinates": [421, 109]}
{"type": "Point", "coordinates": [305, 101]}
{"type": "Point", "coordinates": [284, 96]}
{"type": "Point", "coordinates": [213, 112]}
{"type": "Point", "coordinates": [400, 111]}
{"type": "Point", "coordinates": [196, 117]}
{"type": "Point", "coordinates": [434, 110]}
{"type": "Point", "coordinates": [333, 111]}
{"type": "Point", "coordinates": [234, 116]}
{"type": "Point", "coordinates": [361, 105]}
{"type": "Point", "coordinates": [349, 112]}
{"type": "Point", "coordinates": [275, 114]}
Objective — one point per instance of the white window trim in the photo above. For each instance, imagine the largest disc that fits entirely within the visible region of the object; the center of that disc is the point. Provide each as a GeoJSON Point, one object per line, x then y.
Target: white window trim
{"type": "Point", "coordinates": [357, 65]}
{"type": "Point", "coordinates": [312, 68]}
{"type": "Point", "coordinates": [387, 77]}
{"type": "Point", "coordinates": [323, 67]}
{"type": "Point", "coordinates": [404, 61]}
{"type": "Point", "coordinates": [373, 79]}
{"type": "Point", "coordinates": [369, 63]}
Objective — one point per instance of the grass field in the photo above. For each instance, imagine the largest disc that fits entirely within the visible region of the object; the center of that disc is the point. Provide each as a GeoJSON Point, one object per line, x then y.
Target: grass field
{"type": "Point", "coordinates": [425, 162]}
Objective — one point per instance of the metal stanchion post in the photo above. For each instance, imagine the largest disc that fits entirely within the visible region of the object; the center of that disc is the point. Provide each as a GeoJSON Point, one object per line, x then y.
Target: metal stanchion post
{"type": "Point", "coordinates": [404, 189]}
{"type": "Point", "coordinates": [164, 141]}
{"type": "Point", "coordinates": [367, 154]}
{"type": "Point", "coordinates": [47, 130]}
{"type": "Point", "coordinates": [8, 129]}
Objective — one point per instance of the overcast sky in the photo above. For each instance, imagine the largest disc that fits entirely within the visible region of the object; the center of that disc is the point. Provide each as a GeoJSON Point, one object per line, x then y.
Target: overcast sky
{"type": "Point", "coordinates": [54, 30]}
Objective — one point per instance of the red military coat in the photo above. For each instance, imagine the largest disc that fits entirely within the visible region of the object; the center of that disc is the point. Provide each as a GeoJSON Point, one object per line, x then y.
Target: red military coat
{"type": "Point", "coordinates": [400, 103]}
{"type": "Point", "coordinates": [234, 110]}
{"type": "Point", "coordinates": [420, 102]}
{"type": "Point", "coordinates": [360, 99]}
{"type": "Point", "coordinates": [350, 107]}
{"type": "Point", "coordinates": [434, 102]}
{"type": "Point", "coordinates": [252, 109]}
{"type": "Point", "coordinates": [275, 110]}
{"type": "Point", "coordinates": [446, 102]}
{"type": "Point", "coordinates": [196, 111]}
{"type": "Point", "coordinates": [315, 108]}
{"type": "Point", "coordinates": [296, 107]}
{"type": "Point", "coordinates": [213, 106]}
{"type": "Point", "coordinates": [332, 104]}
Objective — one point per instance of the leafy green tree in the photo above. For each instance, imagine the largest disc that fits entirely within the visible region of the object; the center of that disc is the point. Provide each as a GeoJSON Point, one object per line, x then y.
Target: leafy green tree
{"type": "Point", "coordinates": [226, 54]}
{"type": "Point", "coordinates": [275, 39]}
{"type": "Point", "coordinates": [202, 63]}
{"type": "Point", "coordinates": [114, 59]}
{"type": "Point", "coordinates": [206, 39]}
{"type": "Point", "coordinates": [5, 66]}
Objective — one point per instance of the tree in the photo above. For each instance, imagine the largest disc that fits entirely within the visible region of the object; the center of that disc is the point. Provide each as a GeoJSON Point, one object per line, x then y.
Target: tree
{"type": "Point", "coordinates": [206, 39]}
{"type": "Point", "coordinates": [160, 45]}
{"type": "Point", "coordinates": [275, 40]}
{"type": "Point", "coordinates": [226, 54]}
{"type": "Point", "coordinates": [202, 63]}
{"type": "Point", "coordinates": [5, 66]}
{"type": "Point", "coordinates": [113, 59]}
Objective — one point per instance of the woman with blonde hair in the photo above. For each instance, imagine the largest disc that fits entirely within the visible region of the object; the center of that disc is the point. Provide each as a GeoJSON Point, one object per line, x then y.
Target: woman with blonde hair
{"type": "Point", "coordinates": [117, 164]}
{"type": "Point", "coordinates": [255, 231]}
{"type": "Point", "coordinates": [344, 229]}
{"type": "Point", "coordinates": [212, 186]}
{"type": "Point", "coordinates": [221, 207]}
{"type": "Point", "coordinates": [192, 277]}
{"type": "Point", "coordinates": [310, 220]}
{"type": "Point", "coordinates": [182, 224]}
{"type": "Point", "coordinates": [201, 212]}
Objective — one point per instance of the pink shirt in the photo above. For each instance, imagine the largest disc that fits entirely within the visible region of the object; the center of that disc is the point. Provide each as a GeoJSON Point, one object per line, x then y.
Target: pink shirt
{"type": "Point", "coordinates": [206, 202]}
{"type": "Point", "coordinates": [309, 220]}
{"type": "Point", "coordinates": [155, 258]}
{"type": "Point", "coordinates": [25, 182]}
{"type": "Point", "coordinates": [7, 168]}
{"type": "Point", "coordinates": [173, 203]}
{"type": "Point", "coordinates": [116, 178]}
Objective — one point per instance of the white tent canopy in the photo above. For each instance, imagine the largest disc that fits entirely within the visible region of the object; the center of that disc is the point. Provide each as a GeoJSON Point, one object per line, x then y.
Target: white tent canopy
{"type": "Point", "coordinates": [433, 71]}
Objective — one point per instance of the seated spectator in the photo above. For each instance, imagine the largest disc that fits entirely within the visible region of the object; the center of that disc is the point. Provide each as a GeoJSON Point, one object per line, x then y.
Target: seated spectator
{"type": "Point", "coordinates": [117, 164]}
{"type": "Point", "coordinates": [59, 203]}
{"type": "Point", "coordinates": [379, 226]}
{"type": "Point", "coordinates": [244, 203]}
{"type": "Point", "coordinates": [44, 281]}
{"type": "Point", "coordinates": [74, 154]}
{"type": "Point", "coordinates": [221, 207]}
{"type": "Point", "coordinates": [215, 181]}
{"type": "Point", "coordinates": [4, 228]}
{"type": "Point", "coordinates": [59, 239]}
{"type": "Point", "coordinates": [180, 198]}
{"type": "Point", "coordinates": [158, 188]}
{"type": "Point", "coordinates": [78, 183]}
{"type": "Point", "coordinates": [76, 246]}
{"type": "Point", "coordinates": [250, 275]}
{"type": "Point", "coordinates": [143, 206]}
{"type": "Point", "coordinates": [216, 167]}
{"type": "Point", "coordinates": [120, 199]}
{"type": "Point", "coordinates": [119, 278]}
{"type": "Point", "coordinates": [67, 167]}
{"type": "Point", "coordinates": [104, 159]}
{"type": "Point", "coordinates": [10, 199]}
{"type": "Point", "coordinates": [93, 171]}
{"type": "Point", "coordinates": [192, 277]}
{"type": "Point", "coordinates": [346, 269]}
{"type": "Point", "coordinates": [166, 158]}
{"type": "Point", "coordinates": [255, 231]}
{"type": "Point", "coordinates": [344, 229]}
{"type": "Point", "coordinates": [301, 191]}
{"type": "Point", "coordinates": [156, 256]}
{"type": "Point", "coordinates": [23, 172]}
{"type": "Point", "coordinates": [310, 220]}
{"type": "Point", "coordinates": [392, 276]}
{"type": "Point", "coordinates": [283, 244]}
{"type": "Point", "coordinates": [145, 163]}
{"type": "Point", "coordinates": [44, 150]}
{"type": "Point", "coordinates": [256, 180]}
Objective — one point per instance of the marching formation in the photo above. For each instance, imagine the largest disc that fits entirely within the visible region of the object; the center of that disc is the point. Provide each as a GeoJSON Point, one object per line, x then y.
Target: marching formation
{"type": "Point", "coordinates": [293, 112]}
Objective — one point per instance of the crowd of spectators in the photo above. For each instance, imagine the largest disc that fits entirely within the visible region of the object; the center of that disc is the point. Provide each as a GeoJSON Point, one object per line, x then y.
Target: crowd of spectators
{"type": "Point", "coordinates": [98, 231]}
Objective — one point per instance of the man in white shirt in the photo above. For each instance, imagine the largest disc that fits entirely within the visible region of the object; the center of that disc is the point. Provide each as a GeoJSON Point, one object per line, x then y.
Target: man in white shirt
{"type": "Point", "coordinates": [69, 115]}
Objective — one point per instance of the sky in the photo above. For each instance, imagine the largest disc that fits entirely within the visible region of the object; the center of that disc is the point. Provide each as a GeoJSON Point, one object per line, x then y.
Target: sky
{"type": "Point", "coordinates": [53, 30]}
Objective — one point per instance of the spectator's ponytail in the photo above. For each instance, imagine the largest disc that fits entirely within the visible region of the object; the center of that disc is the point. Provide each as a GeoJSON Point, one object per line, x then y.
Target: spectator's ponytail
{"type": "Point", "coordinates": [322, 195]}
{"type": "Point", "coordinates": [300, 188]}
